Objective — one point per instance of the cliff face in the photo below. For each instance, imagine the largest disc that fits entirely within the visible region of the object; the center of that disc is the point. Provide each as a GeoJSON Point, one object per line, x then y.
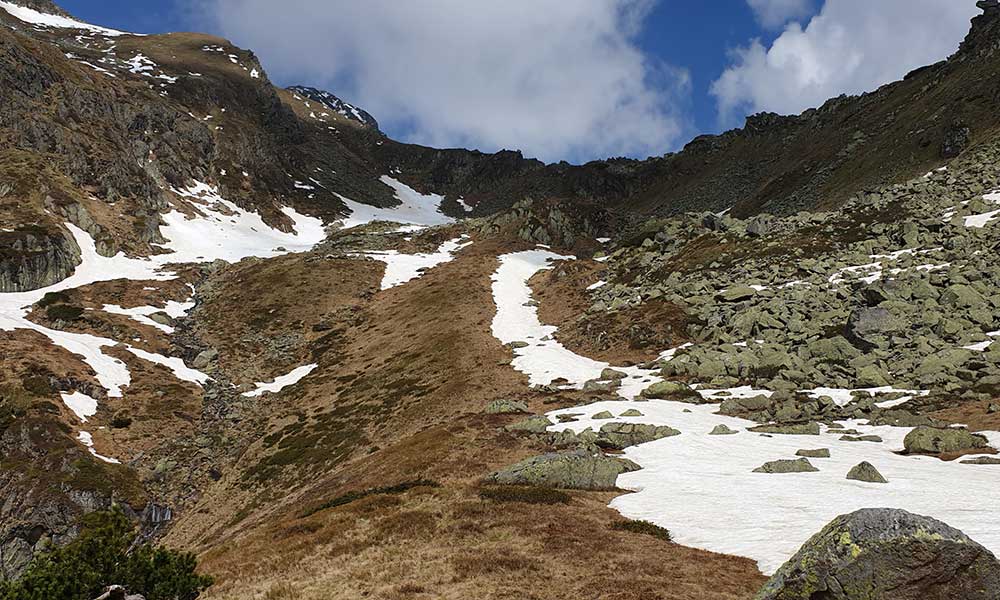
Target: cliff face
{"type": "Point", "coordinates": [31, 258]}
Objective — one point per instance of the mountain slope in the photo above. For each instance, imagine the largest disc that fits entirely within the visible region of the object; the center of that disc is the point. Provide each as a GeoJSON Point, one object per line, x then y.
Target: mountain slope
{"type": "Point", "coordinates": [312, 354]}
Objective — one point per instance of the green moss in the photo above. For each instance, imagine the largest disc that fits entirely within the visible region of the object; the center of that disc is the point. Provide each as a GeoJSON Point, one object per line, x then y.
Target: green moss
{"type": "Point", "coordinates": [358, 495]}
{"type": "Point", "coordinates": [525, 494]}
{"type": "Point", "coordinates": [643, 528]}
{"type": "Point", "coordinates": [63, 312]}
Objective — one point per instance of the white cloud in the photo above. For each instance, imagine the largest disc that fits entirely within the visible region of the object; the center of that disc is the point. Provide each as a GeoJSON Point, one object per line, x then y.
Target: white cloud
{"type": "Point", "coordinates": [850, 47]}
{"type": "Point", "coordinates": [555, 78]}
{"type": "Point", "coordinates": [773, 14]}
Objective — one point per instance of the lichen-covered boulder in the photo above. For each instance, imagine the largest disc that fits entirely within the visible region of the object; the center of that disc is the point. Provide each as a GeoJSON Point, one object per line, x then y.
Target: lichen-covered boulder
{"type": "Point", "coordinates": [672, 390]}
{"type": "Point", "coordinates": [504, 406]}
{"type": "Point", "coordinates": [572, 470]}
{"type": "Point", "coordinates": [932, 440]}
{"type": "Point", "coordinates": [619, 436]}
{"type": "Point", "coordinates": [887, 554]}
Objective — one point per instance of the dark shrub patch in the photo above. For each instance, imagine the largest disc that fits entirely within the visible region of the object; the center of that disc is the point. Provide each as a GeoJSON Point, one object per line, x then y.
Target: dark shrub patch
{"type": "Point", "coordinates": [643, 527]}
{"type": "Point", "coordinates": [526, 494]}
{"type": "Point", "coordinates": [63, 312]}
{"type": "Point", "coordinates": [51, 298]}
{"type": "Point", "coordinates": [353, 496]}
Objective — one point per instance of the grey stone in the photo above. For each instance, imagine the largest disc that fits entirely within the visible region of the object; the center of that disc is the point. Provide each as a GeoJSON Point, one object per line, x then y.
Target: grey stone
{"type": "Point", "coordinates": [817, 453]}
{"type": "Point", "coordinates": [534, 424]}
{"type": "Point", "coordinates": [860, 438]}
{"type": "Point", "coordinates": [797, 429]}
{"type": "Point", "coordinates": [574, 470]}
{"type": "Point", "coordinates": [887, 554]}
{"type": "Point", "coordinates": [506, 407]}
{"type": "Point", "coordinates": [619, 436]}
{"type": "Point", "coordinates": [722, 430]}
{"type": "Point", "coordinates": [672, 390]}
{"type": "Point", "coordinates": [603, 415]}
{"type": "Point", "coordinates": [800, 465]}
{"type": "Point", "coordinates": [205, 358]}
{"type": "Point", "coordinates": [865, 471]}
{"type": "Point", "coordinates": [932, 440]}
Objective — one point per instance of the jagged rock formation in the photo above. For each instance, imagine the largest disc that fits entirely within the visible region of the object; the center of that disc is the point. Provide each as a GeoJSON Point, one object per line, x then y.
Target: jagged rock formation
{"type": "Point", "coordinates": [886, 554]}
{"type": "Point", "coordinates": [348, 111]}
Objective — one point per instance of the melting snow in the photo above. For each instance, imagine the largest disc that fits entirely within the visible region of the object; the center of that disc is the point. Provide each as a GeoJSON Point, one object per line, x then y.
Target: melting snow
{"type": "Point", "coordinates": [176, 365]}
{"type": "Point", "coordinates": [702, 487]}
{"type": "Point", "coordinates": [35, 17]}
{"type": "Point", "coordinates": [141, 314]}
{"type": "Point", "coordinates": [88, 441]}
{"type": "Point", "coordinates": [280, 383]}
{"type": "Point", "coordinates": [81, 404]}
{"type": "Point", "coordinates": [597, 285]}
{"type": "Point", "coordinates": [400, 268]}
{"type": "Point", "coordinates": [416, 208]}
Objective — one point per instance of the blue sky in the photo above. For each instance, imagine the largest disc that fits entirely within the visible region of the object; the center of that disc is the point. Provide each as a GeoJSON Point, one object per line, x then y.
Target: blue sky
{"type": "Point", "coordinates": [577, 80]}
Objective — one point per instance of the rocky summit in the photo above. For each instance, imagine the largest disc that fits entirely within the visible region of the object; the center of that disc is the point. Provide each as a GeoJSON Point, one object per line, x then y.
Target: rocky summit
{"type": "Point", "coordinates": [251, 346]}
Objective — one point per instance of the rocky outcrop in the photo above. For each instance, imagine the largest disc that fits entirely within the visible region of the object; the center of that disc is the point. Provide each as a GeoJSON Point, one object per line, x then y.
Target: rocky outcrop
{"type": "Point", "coordinates": [887, 554]}
{"type": "Point", "coordinates": [801, 465]}
{"type": "Point", "coordinates": [32, 258]}
{"type": "Point", "coordinates": [575, 470]}
{"type": "Point", "coordinates": [618, 436]}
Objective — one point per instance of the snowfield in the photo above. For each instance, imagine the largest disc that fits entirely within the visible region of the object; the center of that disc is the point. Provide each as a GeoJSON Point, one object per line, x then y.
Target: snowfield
{"type": "Point", "coordinates": [400, 268]}
{"type": "Point", "coordinates": [702, 487]}
{"type": "Point", "coordinates": [415, 208]}
{"type": "Point", "coordinates": [41, 19]}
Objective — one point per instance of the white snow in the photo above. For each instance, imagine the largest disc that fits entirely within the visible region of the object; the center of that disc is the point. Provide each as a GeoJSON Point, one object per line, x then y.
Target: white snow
{"type": "Point", "coordinates": [236, 234]}
{"type": "Point", "coordinates": [255, 74]}
{"type": "Point", "coordinates": [88, 441]}
{"type": "Point", "coordinates": [465, 207]}
{"type": "Point", "coordinates": [400, 268]}
{"type": "Point", "coordinates": [597, 285]}
{"type": "Point", "coordinates": [980, 347]}
{"type": "Point", "coordinates": [176, 365]}
{"type": "Point", "coordinates": [81, 404]}
{"type": "Point", "coordinates": [415, 208]}
{"type": "Point", "coordinates": [981, 220]}
{"type": "Point", "coordinates": [843, 397]}
{"type": "Point", "coordinates": [141, 313]}
{"type": "Point", "coordinates": [702, 488]}
{"type": "Point", "coordinates": [544, 359]}
{"type": "Point", "coordinates": [35, 17]}
{"type": "Point", "coordinates": [280, 383]}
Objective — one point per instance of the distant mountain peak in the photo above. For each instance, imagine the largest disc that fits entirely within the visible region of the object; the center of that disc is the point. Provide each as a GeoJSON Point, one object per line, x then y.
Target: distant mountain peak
{"type": "Point", "coordinates": [334, 103]}
{"type": "Point", "coordinates": [44, 6]}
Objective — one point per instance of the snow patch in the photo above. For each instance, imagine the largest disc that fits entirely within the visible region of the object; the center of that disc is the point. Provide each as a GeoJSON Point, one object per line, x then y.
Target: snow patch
{"type": "Point", "coordinates": [400, 268]}
{"type": "Point", "coordinates": [81, 404]}
{"type": "Point", "coordinates": [280, 383]}
{"type": "Point", "coordinates": [415, 208]}
{"type": "Point", "coordinates": [41, 19]}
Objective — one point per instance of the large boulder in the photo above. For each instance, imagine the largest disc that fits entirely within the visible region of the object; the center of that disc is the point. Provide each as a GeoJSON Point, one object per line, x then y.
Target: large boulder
{"type": "Point", "coordinates": [932, 440]}
{"type": "Point", "coordinates": [672, 390]}
{"type": "Point", "coordinates": [869, 328]}
{"type": "Point", "coordinates": [572, 470]}
{"type": "Point", "coordinates": [619, 436]}
{"type": "Point", "coordinates": [887, 554]}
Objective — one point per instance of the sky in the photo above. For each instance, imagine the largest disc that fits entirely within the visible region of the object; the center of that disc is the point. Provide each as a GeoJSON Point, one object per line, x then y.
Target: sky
{"type": "Point", "coordinates": [568, 80]}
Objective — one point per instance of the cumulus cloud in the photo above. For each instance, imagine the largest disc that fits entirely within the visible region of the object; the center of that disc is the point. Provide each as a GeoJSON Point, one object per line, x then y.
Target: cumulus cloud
{"type": "Point", "coordinates": [850, 47]}
{"type": "Point", "coordinates": [554, 78]}
{"type": "Point", "coordinates": [773, 14]}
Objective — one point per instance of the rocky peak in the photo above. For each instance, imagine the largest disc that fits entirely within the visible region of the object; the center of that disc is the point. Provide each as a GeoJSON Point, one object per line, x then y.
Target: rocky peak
{"type": "Point", "coordinates": [334, 103]}
{"type": "Point", "coordinates": [45, 6]}
{"type": "Point", "coordinates": [985, 34]}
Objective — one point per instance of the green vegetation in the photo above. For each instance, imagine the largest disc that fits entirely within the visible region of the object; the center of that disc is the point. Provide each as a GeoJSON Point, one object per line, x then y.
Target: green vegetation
{"type": "Point", "coordinates": [107, 553]}
{"type": "Point", "coordinates": [14, 403]}
{"type": "Point", "coordinates": [51, 298]}
{"type": "Point", "coordinates": [642, 527]}
{"type": "Point", "coordinates": [63, 312]}
{"type": "Point", "coordinates": [349, 497]}
{"type": "Point", "coordinates": [526, 494]}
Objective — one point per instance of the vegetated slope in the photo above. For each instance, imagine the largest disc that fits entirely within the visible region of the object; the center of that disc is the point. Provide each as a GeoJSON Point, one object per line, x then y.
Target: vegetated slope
{"type": "Point", "coordinates": [363, 476]}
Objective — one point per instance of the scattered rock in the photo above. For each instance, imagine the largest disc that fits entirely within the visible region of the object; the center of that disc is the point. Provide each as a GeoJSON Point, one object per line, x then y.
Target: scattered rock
{"type": "Point", "coordinates": [631, 413]}
{"type": "Point", "coordinates": [506, 407]}
{"type": "Point", "coordinates": [672, 390]}
{"type": "Point", "coordinates": [611, 374]}
{"type": "Point", "coordinates": [865, 471]}
{"type": "Point", "coordinates": [737, 293]}
{"type": "Point", "coordinates": [800, 465]}
{"type": "Point", "coordinates": [817, 453]}
{"type": "Point", "coordinates": [619, 436]}
{"type": "Point", "coordinates": [797, 429]}
{"type": "Point", "coordinates": [860, 438]}
{"type": "Point", "coordinates": [887, 554]}
{"type": "Point", "coordinates": [722, 430]}
{"type": "Point", "coordinates": [205, 358]}
{"type": "Point", "coordinates": [603, 415]}
{"type": "Point", "coordinates": [573, 470]}
{"type": "Point", "coordinates": [982, 460]}
{"type": "Point", "coordinates": [534, 424]}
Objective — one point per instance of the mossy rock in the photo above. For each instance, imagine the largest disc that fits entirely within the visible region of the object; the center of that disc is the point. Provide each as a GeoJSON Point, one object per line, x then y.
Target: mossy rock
{"type": "Point", "coordinates": [887, 554]}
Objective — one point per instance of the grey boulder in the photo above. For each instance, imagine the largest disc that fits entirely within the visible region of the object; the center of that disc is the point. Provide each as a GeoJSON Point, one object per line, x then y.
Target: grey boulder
{"type": "Point", "coordinates": [887, 554]}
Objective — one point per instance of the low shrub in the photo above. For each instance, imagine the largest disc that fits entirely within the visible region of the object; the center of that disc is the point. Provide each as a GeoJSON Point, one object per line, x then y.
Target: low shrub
{"type": "Point", "coordinates": [63, 312]}
{"type": "Point", "coordinates": [349, 497]}
{"type": "Point", "coordinates": [107, 552]}
{"type": "Point", "coordinates": [526, 494]}
{"type": "Point", "coordinates": [644, 528]}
